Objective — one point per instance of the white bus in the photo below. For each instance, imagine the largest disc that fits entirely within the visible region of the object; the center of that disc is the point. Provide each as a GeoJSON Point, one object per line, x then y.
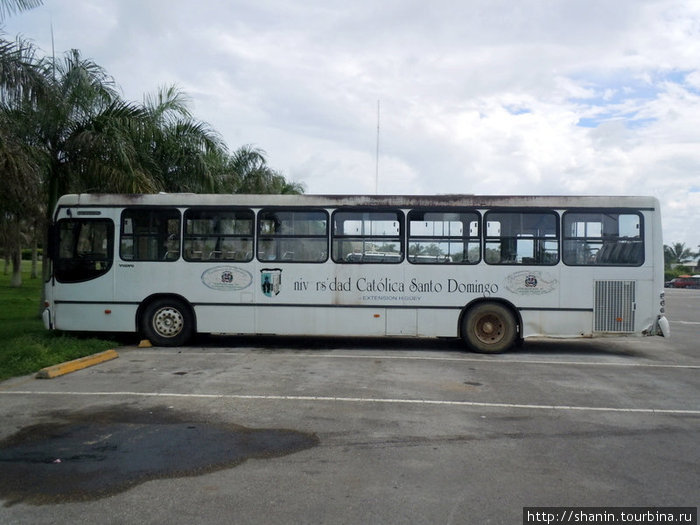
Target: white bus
{"type": "Point", "coordinates": [491, 270]}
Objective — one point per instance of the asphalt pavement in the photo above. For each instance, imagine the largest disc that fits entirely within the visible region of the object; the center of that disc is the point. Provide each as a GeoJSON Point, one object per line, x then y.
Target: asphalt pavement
{"type": "Point", "coordinates": [325, 430]}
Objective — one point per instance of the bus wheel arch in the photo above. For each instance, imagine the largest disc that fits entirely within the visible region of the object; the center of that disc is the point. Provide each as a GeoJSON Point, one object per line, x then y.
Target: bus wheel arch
{"type": "Point", "coordinates": [490, 325]}
{"type": "Point", "coordinates": [166, 320]}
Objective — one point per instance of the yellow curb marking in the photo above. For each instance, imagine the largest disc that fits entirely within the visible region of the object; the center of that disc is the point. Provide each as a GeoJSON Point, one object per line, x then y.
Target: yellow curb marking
{"type": "Point", "coordinates": [77, 364]}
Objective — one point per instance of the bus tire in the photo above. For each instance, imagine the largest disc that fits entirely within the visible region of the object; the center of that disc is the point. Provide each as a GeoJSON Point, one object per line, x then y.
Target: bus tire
{"type": "Point", "coordinates": [489, 328]}
{"type": "Point", "coordinates": [167, 322]}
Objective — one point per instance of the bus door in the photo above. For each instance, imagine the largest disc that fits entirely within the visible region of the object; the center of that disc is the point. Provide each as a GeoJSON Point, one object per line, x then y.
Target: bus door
{"type": "Point", "coordinates": [82, 255]}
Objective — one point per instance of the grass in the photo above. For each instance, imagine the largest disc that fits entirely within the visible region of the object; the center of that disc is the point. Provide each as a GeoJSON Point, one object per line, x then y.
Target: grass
{"type": "Point", "coordinates": [25, 345]}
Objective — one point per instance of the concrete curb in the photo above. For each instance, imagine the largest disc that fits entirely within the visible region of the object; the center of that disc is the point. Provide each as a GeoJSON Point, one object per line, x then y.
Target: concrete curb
{"type": "Point", "coordinates": [77, 364]}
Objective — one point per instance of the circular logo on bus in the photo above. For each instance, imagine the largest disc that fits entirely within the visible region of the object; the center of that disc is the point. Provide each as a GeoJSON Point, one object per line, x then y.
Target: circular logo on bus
{"type": "Point", "coordinates": [227, 278]}
{"type": "Point", "coordinates": [530, 281]}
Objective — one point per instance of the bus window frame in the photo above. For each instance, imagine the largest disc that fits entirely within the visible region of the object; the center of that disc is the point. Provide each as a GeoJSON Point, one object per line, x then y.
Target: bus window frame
{"type": "Point", "coordinates": [401, 237]}
{"type": "Point", "coordinates": [464, 238]}
{"type": "Point", "coordinates": [166, 239]}
{"type": "Point", "coordinates": [214, 209]}
{"type": "Point", "coordinates": [522, 210]}
{"type": "Point", "coordinates": [602, 238]}
{"type": "Point", "coordinates": [259, 237]}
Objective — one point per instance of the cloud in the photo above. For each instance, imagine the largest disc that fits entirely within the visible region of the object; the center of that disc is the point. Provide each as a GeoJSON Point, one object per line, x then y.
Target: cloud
{"type": "Point", "coordinates": [482, 96]}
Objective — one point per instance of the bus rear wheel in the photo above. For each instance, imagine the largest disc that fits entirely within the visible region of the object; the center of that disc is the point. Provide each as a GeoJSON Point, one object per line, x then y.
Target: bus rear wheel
{"type": "Point", "coordinates": [489, 328]}
{"type": "Point", "coordinates": [167, 322]}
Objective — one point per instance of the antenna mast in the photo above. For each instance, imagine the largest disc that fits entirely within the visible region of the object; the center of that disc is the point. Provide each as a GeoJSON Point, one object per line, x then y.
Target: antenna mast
{"type": "Point", "coordinates": [376, 174]}
{"type": "Point", "coordinates": [53, 52]}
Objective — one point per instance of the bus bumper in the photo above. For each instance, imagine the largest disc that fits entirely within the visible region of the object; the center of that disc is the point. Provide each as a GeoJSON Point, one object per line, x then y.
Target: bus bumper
{"type": "Point", "coordinates": [46, 317]}
{"type": "Point", "coordinates": [662, 327]}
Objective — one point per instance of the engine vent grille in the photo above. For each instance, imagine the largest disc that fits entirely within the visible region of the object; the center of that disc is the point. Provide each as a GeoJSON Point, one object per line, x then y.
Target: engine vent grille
{"type": "Point", "coordinates": [614, 306]}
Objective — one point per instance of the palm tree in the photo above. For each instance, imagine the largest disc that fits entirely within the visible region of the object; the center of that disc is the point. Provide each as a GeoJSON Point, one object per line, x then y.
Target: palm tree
{"type": "Point", "coordinates": [102, 155]}
{"type": "Point", "coordinates": [20, 197]}
{"type": "Point", "coordinates": [64, 128]}
{"type": "Point", "coordinates": [677, 253]}
{"type": "Point", "coordinates": [77, 117]}
{"type": "Point", "coordinates": [19, 171]}
{"type": "Point", "coordinates": [21, 164]}
{"type": "Point", "coordinates": [246, 171]}
{"type": "Point", "coordinates": [181, 153]}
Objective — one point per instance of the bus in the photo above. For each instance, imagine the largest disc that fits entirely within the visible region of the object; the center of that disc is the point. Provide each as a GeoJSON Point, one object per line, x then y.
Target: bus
{"type": "Point", "coordinates": [491, 270]}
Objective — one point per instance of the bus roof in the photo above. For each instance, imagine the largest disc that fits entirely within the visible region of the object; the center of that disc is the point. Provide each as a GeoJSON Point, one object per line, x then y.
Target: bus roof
{"type": "Point", "coordinates": [472, 201]}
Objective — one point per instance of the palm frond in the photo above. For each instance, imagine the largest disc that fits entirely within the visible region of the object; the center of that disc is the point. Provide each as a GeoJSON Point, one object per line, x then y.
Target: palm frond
{"type": "Point", "coordinates": [11, 7]}
{"type": "Point", "coordinates": [20, 78]}
{"type": "Point", "coordinates": [168, 105]}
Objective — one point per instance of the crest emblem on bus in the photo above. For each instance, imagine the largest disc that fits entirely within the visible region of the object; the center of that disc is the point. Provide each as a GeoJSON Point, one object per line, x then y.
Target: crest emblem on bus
{"type": "Point", "coordinates": [270, 281]}
{"type": "Point", "coordinates": [227, 278]}
{"type": "Point", "coordinates": [531, 283]}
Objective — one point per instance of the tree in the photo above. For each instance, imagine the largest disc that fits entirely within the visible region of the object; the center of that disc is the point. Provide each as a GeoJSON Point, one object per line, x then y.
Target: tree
{"type": "Point", "coordinates": [677, 253]}
{"type": "Point", "coordinates": [83, 125]}
{"type": "Point", "coordinates": [182, 153]}
{"type": "Point", "coordinates": [20, 78]}
{"type": "Point", "coordinates": [65, 129]}
{"type": "Point", "coordinates": [21, 164]}
{"type": "Point", "coordinates": [19, 200]}
{"type": "Point", "coordinates": [246, 171]}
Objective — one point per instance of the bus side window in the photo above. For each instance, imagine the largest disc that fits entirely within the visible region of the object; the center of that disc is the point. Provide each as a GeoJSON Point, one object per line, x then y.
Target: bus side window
{"type": "Point", "coordinates": [443, 237]}
{"type": "Point", "coordinates": [150, 234]}
{"type": "Point", "coordinates": [218, 234]}
{"type": "Point", "coordinates": [603, 238]}
{"type": "Point", "coordinates": [368, 236]}
{"type": "Point", "coordinates": [528, 237]}
{"type": "Point", "coordinates": [293, 235]}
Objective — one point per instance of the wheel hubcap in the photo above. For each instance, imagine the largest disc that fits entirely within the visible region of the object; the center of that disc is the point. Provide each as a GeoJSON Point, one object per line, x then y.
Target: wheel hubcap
{"type": "Point", "coordinates": [168, 322]}
{"type": "Point", "coordinates": [489, 328]}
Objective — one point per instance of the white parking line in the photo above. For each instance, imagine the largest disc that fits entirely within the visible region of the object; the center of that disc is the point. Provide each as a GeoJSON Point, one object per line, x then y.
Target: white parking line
{"type": "Point", "coordinates": [502, 361]}
{"type": "Point", "coordinates": [366, 400]}
{"type": "Point", "coordinates": [448, 359]}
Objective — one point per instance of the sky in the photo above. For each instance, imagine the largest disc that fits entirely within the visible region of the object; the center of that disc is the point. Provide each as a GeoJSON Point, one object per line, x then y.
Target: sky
{"type": "Point", "coordinates": [492, 97]}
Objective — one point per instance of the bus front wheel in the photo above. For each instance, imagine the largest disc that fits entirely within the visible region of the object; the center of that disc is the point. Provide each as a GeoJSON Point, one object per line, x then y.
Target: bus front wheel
{"type": "Point", "coordinates": [489, 328]}
{"type": "Point", "coordinates": [167, 322]}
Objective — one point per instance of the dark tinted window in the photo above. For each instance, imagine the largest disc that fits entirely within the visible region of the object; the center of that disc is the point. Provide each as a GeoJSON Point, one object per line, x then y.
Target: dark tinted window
{"type": "Point", "coordinates": [218, 235]}
{"type": "Point", "coordinates": [85, 249]}
{"type": "Point", "coordinates": [150, 234]}
{"type": "Point", "coordinates": [292, 235]}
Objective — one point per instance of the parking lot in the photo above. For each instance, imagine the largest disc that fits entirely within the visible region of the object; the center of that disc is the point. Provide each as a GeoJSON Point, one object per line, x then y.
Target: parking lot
{"type": "Point", "coordinates": [292, 430]}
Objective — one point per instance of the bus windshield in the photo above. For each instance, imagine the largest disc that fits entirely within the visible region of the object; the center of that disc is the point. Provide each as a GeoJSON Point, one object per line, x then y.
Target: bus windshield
{"type": "Point", "coordinates": [85, 249]}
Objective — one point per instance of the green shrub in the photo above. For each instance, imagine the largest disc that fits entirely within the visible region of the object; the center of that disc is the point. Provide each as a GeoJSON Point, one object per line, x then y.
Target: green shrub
{"type": "Point", "coordinates": [27, 254]}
